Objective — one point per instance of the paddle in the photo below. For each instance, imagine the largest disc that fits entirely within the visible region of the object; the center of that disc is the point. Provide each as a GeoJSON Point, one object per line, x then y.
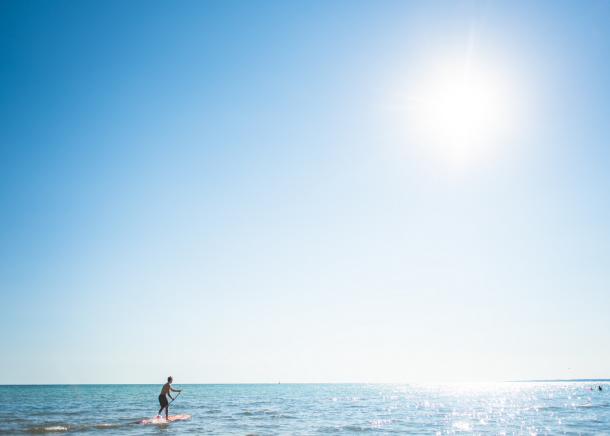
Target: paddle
{"type": "Point", "coordinates": [174, 399]}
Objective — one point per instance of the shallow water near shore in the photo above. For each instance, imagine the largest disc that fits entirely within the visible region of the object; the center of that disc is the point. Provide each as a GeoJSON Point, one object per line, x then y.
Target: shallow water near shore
{"type": "Point", "coordinates": [509, 408]}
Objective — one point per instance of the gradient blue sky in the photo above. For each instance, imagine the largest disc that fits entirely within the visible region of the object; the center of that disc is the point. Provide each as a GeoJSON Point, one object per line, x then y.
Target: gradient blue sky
{"type": "Point", "coordinates": [222, 191]}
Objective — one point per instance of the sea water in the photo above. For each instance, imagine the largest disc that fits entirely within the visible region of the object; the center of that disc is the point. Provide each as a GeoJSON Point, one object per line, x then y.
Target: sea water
{"type": "Point", "coordinates": [436, 409]}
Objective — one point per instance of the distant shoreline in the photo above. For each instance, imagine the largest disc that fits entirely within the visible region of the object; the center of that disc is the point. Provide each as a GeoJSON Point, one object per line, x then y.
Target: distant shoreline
{"type": "Point", "coordinates": [563, 380]}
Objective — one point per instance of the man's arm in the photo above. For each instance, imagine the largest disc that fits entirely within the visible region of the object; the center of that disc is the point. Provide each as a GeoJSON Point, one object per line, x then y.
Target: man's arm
{"type": "Point", "coordinates": [175, 390]}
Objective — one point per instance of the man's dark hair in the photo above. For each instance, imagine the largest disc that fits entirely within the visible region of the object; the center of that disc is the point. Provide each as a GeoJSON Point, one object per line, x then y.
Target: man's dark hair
{"type": "Point", "coordinates": [169, 379]}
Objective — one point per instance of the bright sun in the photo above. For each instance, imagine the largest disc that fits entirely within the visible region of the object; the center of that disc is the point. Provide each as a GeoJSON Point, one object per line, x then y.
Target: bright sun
{"type": "Point", "coordinates": [459, 112]}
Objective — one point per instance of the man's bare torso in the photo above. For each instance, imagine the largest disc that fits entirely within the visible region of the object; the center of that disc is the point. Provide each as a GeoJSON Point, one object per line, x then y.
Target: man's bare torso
{"type": "Point", "coordinates": [165, 389]}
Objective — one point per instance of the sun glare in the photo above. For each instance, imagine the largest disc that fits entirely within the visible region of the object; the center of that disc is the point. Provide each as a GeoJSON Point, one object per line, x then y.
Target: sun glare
{"type": "Point", "coordinates": [459, 112]}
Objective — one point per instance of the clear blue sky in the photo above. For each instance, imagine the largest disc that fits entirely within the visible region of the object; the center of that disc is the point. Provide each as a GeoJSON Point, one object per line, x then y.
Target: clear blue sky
{"type": "Point", "coordinates": [233, 192]}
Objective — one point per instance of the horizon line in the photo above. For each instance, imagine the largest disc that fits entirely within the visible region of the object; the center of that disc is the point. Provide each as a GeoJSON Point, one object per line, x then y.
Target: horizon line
{"type": "Point", "coordinates": [582, 380]}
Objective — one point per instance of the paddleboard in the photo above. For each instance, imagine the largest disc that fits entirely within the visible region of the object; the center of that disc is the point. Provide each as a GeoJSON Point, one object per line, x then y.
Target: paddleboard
{"type": "Point", "coordinates": [162, 420]}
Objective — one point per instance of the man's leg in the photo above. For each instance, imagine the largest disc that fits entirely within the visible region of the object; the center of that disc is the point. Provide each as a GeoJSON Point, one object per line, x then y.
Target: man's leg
{"type": "Point", "coordinates": [163, 403]}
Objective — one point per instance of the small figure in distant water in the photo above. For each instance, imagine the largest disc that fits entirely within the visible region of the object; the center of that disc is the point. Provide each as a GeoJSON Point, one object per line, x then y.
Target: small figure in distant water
{"type": "Point", "coordinates": [167, 388]}
{"type": "Point", "coordinates": [599, 388]}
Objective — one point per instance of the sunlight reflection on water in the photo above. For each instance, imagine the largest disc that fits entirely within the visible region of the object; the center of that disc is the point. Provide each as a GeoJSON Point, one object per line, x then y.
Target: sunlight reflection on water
{"type": "Point", "coordinates": [495, 408]}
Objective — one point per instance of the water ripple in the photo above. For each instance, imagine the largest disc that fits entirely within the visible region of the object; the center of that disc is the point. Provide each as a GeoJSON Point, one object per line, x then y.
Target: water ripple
{"type": "Point", "coordinates": [503, 408]}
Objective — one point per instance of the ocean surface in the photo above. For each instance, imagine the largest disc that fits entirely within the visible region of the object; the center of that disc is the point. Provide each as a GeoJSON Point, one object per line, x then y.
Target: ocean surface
{"type": "Point", "coordinates": [310, 409]}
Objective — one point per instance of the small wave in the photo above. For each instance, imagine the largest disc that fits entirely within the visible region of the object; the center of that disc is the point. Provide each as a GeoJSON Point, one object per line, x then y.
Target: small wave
{"type": "Point", "coordinates": [71, 428]}
{"type": "Point", "coordinates": [356, 428]}
{"type": "Point", "coordinates": [462, 426]}
{"type": "Point", "coordinates": [350, 428]}
{"type": "Point", "coordinates": [48, 429]}
{"type": "Point", "coordinates": [380, 423]}
{"type": "Point", "coordinates": [254, 412]}
{"type": "Point", "coordinates": [245, 413]}
{"type": "Point", "coordinates": [548, 408]}
{"type": "Point", "coordinates": [104, 426]}
{"type": "Point", "coordinates": [265, 413]}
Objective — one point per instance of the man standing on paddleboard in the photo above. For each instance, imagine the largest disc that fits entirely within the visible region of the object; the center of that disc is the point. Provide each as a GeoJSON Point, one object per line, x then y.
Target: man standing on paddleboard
{"type": "Point", "coordinates": [167, 387]}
